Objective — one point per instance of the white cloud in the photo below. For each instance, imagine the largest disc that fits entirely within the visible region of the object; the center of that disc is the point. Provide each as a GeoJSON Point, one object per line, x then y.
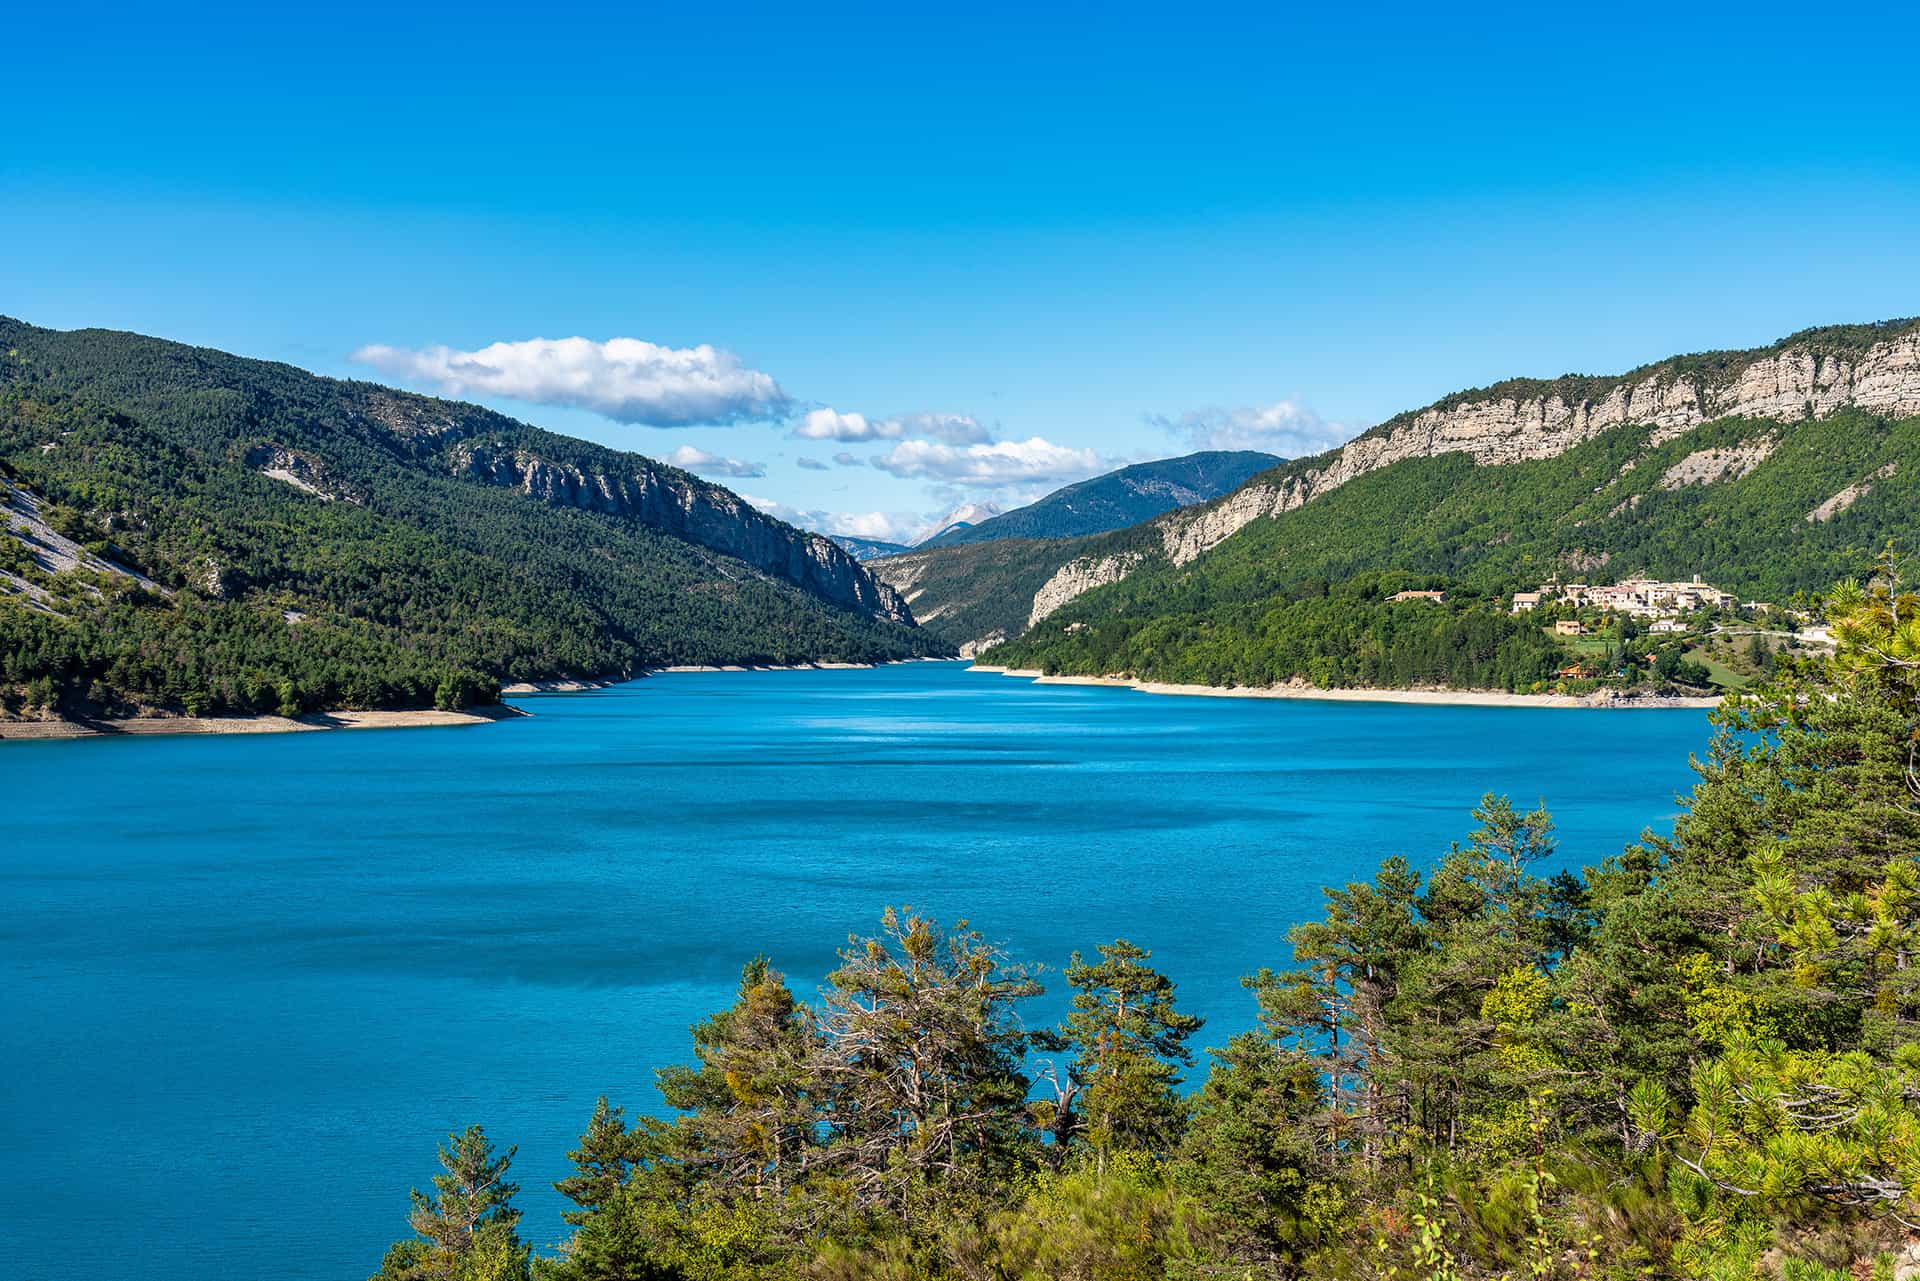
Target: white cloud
{"type": "Point", "coordinates": [626, 379]}
{"type": "Point", "coordinates": [831, 424]}
{"type": "Point", "coordinates": [690, 459]}
{"type": "Point", "coordinates": [991, 464]}
{"type": "Point", "coordinates": [954, 429]}
{"type": "Point", "coordinates": [1285, 428]}
{"type": "Point", "coordinates": [891, 527]}
{"type": "Point", "coordinates": [810, 464]}
{"type": "Point", "coordinates": [845, 459]}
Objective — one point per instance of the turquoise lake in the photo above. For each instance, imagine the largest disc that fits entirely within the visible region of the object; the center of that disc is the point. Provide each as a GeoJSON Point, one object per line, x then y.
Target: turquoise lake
{"type": "Point", "coordinates": [250, 981]}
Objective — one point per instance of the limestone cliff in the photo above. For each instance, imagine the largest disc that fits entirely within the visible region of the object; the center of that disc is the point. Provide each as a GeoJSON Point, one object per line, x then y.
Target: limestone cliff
{"type": "Point", "coordinates": [478, 444]}
{"type": "Point", "coordinates": [669, 500]}
{"type": "Point", "coordinates": [1809, 375]}
{"type": "Point", "coordinates": [1077, 577]}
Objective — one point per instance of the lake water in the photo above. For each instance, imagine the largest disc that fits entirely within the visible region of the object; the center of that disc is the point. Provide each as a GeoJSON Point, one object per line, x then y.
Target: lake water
{"type": "Point", "coordinates": [249, 982]}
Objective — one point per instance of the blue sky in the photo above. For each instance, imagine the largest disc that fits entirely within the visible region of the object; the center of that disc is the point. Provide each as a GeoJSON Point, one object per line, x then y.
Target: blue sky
{"type": "Point", "coordinates": [987, 249]}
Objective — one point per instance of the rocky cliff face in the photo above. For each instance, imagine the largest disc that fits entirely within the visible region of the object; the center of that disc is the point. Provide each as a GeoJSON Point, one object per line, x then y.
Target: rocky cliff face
{"type": "Point", "coordinates": [1796, 381]}
{"type": "Point", "coordinates": [1788, 386]}
{"type": "Point", "coordinates": [703, 514]}
{"type": "Point", "coordinates": [1076, 578]}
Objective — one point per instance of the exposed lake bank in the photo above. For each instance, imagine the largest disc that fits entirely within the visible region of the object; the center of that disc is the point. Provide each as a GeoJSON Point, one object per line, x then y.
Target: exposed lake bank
{"type": "Point", "coordinates": [152, 725]}
{"type": "Point", "coordinates": [1433, 697]}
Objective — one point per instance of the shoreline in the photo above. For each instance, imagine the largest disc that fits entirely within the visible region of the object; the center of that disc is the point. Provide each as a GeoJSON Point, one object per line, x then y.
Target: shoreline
{"type": "Point", "coordinates": [52, 731]}
{"type": "Point", "coordinates": [59, 730]}
{"type": "Point", "coordinates": [1428, 697]}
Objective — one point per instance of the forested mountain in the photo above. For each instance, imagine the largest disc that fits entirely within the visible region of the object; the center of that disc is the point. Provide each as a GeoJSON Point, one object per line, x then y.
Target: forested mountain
{"type": "Point", "coordinates": [1766, 470]}
{"type": "Point", "coordinates": [1759, 508]}
{"type": "Point", "coordinates": [1119, 498]}
{"type": "Point", "coordinates": [191, 530]}
{"type": "Point", "coordinates": [1697, 1059]}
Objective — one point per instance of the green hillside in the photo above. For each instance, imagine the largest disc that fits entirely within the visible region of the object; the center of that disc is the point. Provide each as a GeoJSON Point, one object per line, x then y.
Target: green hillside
{"type": "Point", "coordinates": [1602, 511]}
{"type": "Point", "coordinates": [296, 542]}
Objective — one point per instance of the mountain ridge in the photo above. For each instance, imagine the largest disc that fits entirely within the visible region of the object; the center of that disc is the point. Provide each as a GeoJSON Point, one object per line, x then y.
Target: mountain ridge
{"type": "Point", "coordinates": [1119, 498]}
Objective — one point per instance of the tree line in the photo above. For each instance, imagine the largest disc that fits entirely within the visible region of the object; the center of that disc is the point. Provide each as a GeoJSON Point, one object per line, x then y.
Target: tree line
{"type": "Point", "coordinates": [1330, 637]}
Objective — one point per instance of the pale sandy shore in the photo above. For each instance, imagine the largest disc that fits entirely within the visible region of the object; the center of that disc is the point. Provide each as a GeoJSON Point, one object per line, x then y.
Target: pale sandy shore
{"type": "Point", "coordinates": [252, 724]}
{"type": "Point", "coordinates": [1434, 697]}
{"type": "Point", "coordinates": [553, 687]}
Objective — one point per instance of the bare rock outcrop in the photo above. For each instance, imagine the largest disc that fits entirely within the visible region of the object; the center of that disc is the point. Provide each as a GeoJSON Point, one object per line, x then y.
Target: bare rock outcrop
{"type": "Point", "coordinates": [23, 520]}
{"type": "Point", "coordinates": [1711, 466]}
{"type": "Point", "coordinates": [294, 467]}
{"type": "Point", "coordinates": [1078, 577]}
{"type": "Point", "coordinates": [1849, 496]}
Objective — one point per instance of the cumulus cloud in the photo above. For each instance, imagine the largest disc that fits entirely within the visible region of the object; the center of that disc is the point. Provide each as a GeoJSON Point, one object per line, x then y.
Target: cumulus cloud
{"type": "Point", "coordinates": [1284, 427]}
{"type": "Point", "coordinates": [831, 424]}
{"type": "Point", "coordinates": [627, 379]}
{"type": "Point", "coordinates": [699, 460]}
{"type": "Point", "coordinates": [810, 464]}
{"type": "Point", "coordinates": [889, 527]}
{"type": "Point", "coordinates": [954, 429]}
{"type": "Point", "coordinates": [990, 464]}
{"type": "Point", "coordinates": [844, 459]}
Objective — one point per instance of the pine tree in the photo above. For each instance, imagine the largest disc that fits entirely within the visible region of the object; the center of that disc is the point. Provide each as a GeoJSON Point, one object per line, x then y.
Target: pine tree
{"type": "Point", "coordinates": [752, 1116]}
{"type": "Point", "coordinates": [1129, 1043]}
{"type": "Point", "coordinates": [466, 1232]}
{"type": "Point", "coordinates": [602, 1162]}
{"type": "Point", "coordinates": [921, 1058]}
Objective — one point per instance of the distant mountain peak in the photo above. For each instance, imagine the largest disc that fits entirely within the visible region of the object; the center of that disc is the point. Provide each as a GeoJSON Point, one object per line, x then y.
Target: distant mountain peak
{"type": "Point", "coordinates": [965, 516]}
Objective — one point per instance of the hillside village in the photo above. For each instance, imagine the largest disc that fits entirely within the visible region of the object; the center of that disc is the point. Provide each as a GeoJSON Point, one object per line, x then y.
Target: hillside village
{"type": "Point", "coordinates": [1664, 604]}
{"type": "Point", "coordinates": [1640, 597]}
{"type": "Point", "coordinates": [1720, 636]}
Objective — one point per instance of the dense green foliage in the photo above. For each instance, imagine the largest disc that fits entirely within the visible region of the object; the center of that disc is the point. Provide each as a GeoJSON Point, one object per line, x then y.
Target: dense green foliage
{"type": "Point", "coordinates": [1334, 638]}
{"type": "Point", "coordinates": [1700, 1058]}
{"type": "Point", "coordinates": [414, 584]}
{"type": "Point", "coordinates": [1120, 498]}
{"type": "Point", "coordinates": [1597, 512]}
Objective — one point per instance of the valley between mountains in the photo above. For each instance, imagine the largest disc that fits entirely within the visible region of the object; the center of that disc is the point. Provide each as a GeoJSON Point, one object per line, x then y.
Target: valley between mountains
{"type": "Point", "coordinates": [195, 533]}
